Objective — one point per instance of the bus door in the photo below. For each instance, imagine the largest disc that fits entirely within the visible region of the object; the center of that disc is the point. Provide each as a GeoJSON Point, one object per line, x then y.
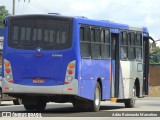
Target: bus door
{"type": "Point", "coordinates": [145, 65]}
{"type": "Point", "coordinates": [115, 65]}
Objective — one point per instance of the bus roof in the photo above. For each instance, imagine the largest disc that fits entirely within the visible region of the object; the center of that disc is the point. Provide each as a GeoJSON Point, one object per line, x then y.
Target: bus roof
{"type": "Point", "coordinates": [84, 20]}
{"type": "Point", "coordinates": [107, 23]}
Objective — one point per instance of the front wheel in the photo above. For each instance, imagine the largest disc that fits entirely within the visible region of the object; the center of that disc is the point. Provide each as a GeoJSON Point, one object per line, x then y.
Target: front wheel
{"type": "Point", "coordinates": [95, 104]}
{"type": "Point", "coordinates": [130, 103]}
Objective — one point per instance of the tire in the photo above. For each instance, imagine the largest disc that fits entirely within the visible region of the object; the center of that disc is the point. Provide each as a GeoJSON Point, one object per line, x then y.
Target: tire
{"type": "Point", "coordinates": [18, 101]}
{"type": "Point", "coordinates": [130, 103]}
{"type": "Point", "coordinates": [95, 104]}
{"type": "Point", "coordinates": [40, 106]}
{"type": "Point", "coordinates": [0, 96]}
{"type": "Point", "coordinates": [29, 107]}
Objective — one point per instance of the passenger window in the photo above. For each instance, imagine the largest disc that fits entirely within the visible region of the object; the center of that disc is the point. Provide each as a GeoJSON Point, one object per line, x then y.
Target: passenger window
{"type": "Point", "coordinates": [124, 45]}
{"type": "Point", "coordinates": [139, 39]}
{"type": "Point", "coordinates": [95, 43]}
{"type": "Point", "coordinates": [131, 53]}
{"type": "Point", "coordinates": [138, 53]}
{"type": "Point", "coordinates": [105, 44]}
{"type": "Point", "coordinates": [123, 52]}
{"type": "Point", "coordinates": [85, 42]}
{"type": "Point", "coordinates": [132, 39]}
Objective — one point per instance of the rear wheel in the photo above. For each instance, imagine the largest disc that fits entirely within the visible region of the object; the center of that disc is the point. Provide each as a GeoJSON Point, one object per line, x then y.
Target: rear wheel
{"type": "Point", "coordinates": [29, 107]}
{"type": "Point", "coordinates": [40, 106]}
{"type": "Point", "coordinates": [18, 101]}
{"type": "Point", "coordinates": [130, 103]}
{"type": "Point", "coordinates": [95, 104]}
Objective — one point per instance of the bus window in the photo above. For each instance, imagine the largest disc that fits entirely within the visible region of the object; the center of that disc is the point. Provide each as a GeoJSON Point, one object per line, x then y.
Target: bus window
{"type": "Point", "coordinates": [105, 44]}
{"type": "Point", "coordinates": [131, 53]}
{"type": "Point", "coordinates": [15, 34]}
{"type": "Point", "coordinates": [85, 42]}
{"type": "Point", "coordinates": [123, 52]}
{"type": "Point", "coordinates": [28, 34]}
{"type": "Point", "coordinates": [87, 34]}
{"type": "Point", "coordinates": [132, 39]}
{"type": "Point", "coordinates": [95, 45]}
{"type": "Point", "coordinates": [139, 39]}
{"type": "Point", "coordinates": [138, 53]}
{"type": "Point", "coordinates": [46, 34]}
{"type": "Point", "coordinates": [124, 45]}
{"type": "Point", "coordinates": [139, 46]}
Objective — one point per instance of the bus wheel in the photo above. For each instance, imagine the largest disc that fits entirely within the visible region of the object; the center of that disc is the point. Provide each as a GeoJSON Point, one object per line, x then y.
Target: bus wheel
{"type": "Point", "coordinates": [29, 107]}
{"type": "Point", "coordinates": [41, 105]}
{"type": "Point", "coordinates": [18, 101]}
{"type": "Point", "coordinates": [95, 104]}
{"type": "Point", "coordinates": [130, 103]}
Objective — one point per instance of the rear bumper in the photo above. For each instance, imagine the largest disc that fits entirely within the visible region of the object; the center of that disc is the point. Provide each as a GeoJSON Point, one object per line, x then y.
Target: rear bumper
{"type": "Point", "coordinates": [68, 89]}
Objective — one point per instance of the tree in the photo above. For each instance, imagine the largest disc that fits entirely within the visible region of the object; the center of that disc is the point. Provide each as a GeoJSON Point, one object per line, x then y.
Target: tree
{"type": "Point", "coordinates": [3, 14]}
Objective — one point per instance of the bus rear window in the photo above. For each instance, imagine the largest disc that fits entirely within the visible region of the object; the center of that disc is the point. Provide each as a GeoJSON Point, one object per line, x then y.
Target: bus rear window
{"type": "Point", "coordinates": [34, 33]}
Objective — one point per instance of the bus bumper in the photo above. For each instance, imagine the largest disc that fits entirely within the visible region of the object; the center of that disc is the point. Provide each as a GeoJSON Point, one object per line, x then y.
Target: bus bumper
{"type": "Point", "coordinates": [67, 89]}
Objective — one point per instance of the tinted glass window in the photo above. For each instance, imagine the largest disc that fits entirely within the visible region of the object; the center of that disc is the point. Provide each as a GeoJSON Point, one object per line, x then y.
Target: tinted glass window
{"type": "Point", "coordinates": [139, 39]}
{"type": "Point", "coordinates": [85, 50]}
{"type": "Point", "coordinates": [124, 53]}
{"type": "Point", "coordinates": [124, 38]}
{"type": "Point", "coordinates": [46, 34]}
{"type": "Point", "coordinates": [132, 39]}
{"type": "Point", "coordinates": [105, 44]}
{"type": "Point", "coordinates": [105, 51]}
{"type": "Point", "coordinates": [95, 51]}
{"type": "Point", "coordinates": [85, 42]}
{"type": "Point", "coordinates": [93, 35]}
{"type": "Point", "coordinates": [139, 53]}
{"type": "Point", "coordinates": [131, 53]}
{"type": "Point", "coordinates": [107, 36]}
{"type": "Point", "coordinates": [86, 34]}
{"type": "Point", "coordinates": [82, 34]}
{"type": "Point", "coordinates": [97, 35]}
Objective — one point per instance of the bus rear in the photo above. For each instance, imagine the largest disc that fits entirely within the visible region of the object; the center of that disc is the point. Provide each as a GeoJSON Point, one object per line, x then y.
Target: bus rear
{"type": "Point", "coordinates": [38, 58]}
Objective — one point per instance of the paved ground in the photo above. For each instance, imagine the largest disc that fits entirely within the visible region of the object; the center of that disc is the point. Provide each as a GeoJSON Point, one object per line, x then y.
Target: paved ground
{"type": "Point", "coordinates": [67, 110]}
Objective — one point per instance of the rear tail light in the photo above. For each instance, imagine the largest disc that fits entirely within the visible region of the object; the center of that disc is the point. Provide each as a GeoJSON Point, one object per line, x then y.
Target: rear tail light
{"type": "Point", "coordinates": [8, 71]}
{"type": "Point", "coordinates": [70, 73]}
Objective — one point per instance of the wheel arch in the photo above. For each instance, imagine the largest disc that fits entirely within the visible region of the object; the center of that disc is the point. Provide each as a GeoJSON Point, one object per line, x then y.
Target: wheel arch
{"type": "Point", "coordinates": [99, 80]}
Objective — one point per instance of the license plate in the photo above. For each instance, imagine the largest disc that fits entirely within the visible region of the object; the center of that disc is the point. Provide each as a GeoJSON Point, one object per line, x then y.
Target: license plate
{"type": "Point", "coordinates": [38, 81]}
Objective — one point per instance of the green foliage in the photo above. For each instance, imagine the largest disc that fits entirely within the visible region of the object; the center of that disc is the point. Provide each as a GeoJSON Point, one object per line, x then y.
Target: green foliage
{"type": "Point", "coordinates": [3, 14]}
{"type": "Point", "coordinates": [155, 57]}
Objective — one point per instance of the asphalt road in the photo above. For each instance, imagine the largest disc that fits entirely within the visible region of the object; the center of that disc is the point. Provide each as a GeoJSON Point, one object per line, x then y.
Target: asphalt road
{"type": "Point", "coordinates": [107, 109]}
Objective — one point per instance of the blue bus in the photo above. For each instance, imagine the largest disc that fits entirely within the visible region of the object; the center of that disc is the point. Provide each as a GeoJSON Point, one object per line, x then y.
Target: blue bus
{"type": "Point", "coordinates": [55, 58]}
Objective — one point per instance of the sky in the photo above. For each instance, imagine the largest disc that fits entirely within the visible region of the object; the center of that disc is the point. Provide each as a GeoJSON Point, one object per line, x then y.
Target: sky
{"type": "Point", "coordinates": [136, 13]}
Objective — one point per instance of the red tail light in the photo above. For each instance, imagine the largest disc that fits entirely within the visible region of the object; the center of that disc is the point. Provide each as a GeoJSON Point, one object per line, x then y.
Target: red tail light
{"type": "Point", "coordinates": [70, 72]}
{"type": "Point", "coordinates": [8, 70]}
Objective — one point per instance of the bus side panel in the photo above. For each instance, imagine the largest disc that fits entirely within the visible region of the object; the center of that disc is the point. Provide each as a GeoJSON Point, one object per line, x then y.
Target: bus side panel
{"type": "Point", "coordinates": [91, 70]}
{"type": "Point", "coordinates": [131, 71]}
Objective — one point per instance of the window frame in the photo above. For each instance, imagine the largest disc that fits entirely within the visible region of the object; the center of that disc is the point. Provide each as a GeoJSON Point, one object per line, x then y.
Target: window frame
{"type": "Point", "coordinates": [94, 42]}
